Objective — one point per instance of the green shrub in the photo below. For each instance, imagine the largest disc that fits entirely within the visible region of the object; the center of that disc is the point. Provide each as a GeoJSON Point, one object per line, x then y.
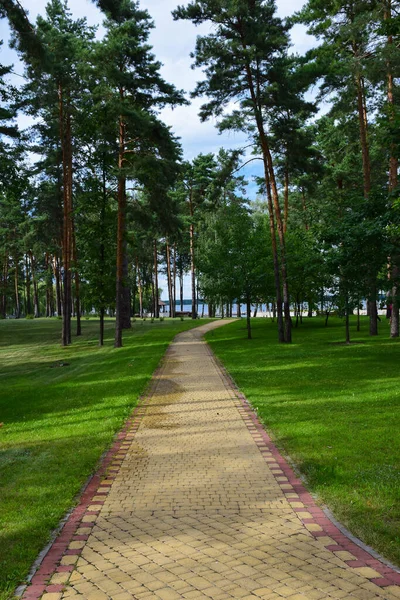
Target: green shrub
{"type": "Point", "coordinates": [29, 316]}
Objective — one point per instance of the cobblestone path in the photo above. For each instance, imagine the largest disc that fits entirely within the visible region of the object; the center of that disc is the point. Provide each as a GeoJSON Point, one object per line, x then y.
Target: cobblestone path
{"type": "Point", "coordinates": [200, 507]}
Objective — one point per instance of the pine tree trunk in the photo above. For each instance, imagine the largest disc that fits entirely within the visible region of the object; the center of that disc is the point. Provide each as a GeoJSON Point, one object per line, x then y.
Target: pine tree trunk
{"type": "Point", "coordinates": [174, 278]}
{"type": "Point", "coordinates": [373, 312]}
{"type": "Point", "coordinates": [35, 287]}
{"type": "Point", "coordinates": [170, 295]}
{"type": "Point", "coordinates": [66, 146]}
{"type": "Point", "coordinates": [393, 182]}
{"type": "Point", "coordinates": [28, 306]}
{"type": "Point", "coordinates": [17, 303]}
{"type": "Point", "coordinates": [248, 319]}
{"type": "Point", "coordinates": [192, 259]}
{"type": "Point", "coordinates": [347, 319]}
{"type": "Point", "coordinates": [181, 288]}
{"type": "Point", "coordinates": [3, 310]}
{"type": "Point", "coordinates": [156, 305]}
{"type": "Point", "coordinates": [139, 290]}
{"type": "Point", "coordinates": [56, 271]}
{"type": "Point", "coordinates": [284, 333]}
{"type": "Point", "coordinates": [77, 282]}
{"type": "Point", "coordinates": [101, 336]}
{"type": "Point", "coordinates": [126, 291]}
{"type": "Point", "coordinates": [119, 300]}
{"type": "Point", "coordinates": [277, 277]}
{"type": "Point", "coordinates": [286, 198]}
{"type": "Point", "coordinates": [363, 126]}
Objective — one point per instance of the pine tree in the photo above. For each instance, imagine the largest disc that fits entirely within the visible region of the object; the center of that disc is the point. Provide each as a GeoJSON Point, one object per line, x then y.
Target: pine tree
{"type": "Point", "coordinates": [239, 59]}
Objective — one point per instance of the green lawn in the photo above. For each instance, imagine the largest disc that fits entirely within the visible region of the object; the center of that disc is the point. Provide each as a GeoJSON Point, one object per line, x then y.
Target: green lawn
{"type": "Point", "coordinates": [334, 409]}
{"type": "Point", "coordinates": [57, 421]}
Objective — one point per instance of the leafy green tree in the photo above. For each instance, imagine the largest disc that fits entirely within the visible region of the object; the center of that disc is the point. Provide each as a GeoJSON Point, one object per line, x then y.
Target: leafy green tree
{"type": "Point", "coordinates": [128, 74]}
{"type": "Point", "coordinates": [240, 59]}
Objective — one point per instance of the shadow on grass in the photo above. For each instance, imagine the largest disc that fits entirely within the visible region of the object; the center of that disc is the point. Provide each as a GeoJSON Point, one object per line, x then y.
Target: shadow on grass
{"type": "Point", "coordinates": [335, 410]}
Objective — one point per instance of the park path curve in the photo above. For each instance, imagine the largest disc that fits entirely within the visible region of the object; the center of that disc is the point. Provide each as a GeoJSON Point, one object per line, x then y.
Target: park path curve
{"type": "Point", "coordinates": [197, 504]}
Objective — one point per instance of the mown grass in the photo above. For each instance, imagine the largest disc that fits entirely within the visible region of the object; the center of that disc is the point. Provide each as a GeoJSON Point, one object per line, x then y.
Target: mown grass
{"type": "Point", "coordinates": [334, 409]}
{"type": "Point", "coordinates": [58, 420]}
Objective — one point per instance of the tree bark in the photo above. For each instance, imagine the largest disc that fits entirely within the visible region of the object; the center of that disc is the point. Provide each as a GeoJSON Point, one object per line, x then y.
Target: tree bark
{"type": "Point", "coordinates": [77, 282]}
{"type": "Point", "coordinates": [347, 318]}
{"type": "Point", "coordinates": [284, 334]}
{"type": "Point", "coordinates": [286, 198]}
{"type": "Point", "coordinates": [17, 303]}
{"type": "Point", "coordinates": [174, 278]}
{"type": "Point", "coordinates": [373, 312]}
{"type": "Point", "coordinates": [140, 290]}
{"type": "Point", "coordinates": [248, 318]}
{"type": "Point", "coordinates": [121, 228]}
{"type": "Point", "coordinates": [35, 287]}
{"type": "Point", "coordinates": [28, 306]}
{"type": "Point", "coordinates": [181, 288]}
{"type": "Point", "coordinates": [363, 126]}
{"type": "Point", "coordinates": [101, 336]}
{"type": "Point", "coordinates": [192, 258]}
{"type": "Point", "coordinates": [169, 280]}
{"type": "Point", "coordinates": [66, 147]}
{"type": "Point", "coordinates": [156, 305]}
{"type": "Point", "coordinates": [393, 182]}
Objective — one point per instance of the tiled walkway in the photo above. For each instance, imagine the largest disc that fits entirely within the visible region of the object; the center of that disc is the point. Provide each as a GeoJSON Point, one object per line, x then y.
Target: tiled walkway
{"type": "Point", "coordinates": [198, 504]}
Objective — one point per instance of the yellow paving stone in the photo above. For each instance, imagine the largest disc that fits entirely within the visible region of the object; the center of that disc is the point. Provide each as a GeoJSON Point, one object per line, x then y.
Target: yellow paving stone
{"type": "Point", "coordinates": [367, 572]}
{"type": "Point", "coordinates": [52, 596]}
{"type": "Point", "coordinates": [68, 560]}
{"type": "Point", "coordinates": [344, 555]}
{"type": "Point", "coordinates": [196, 512]}
{"type": "Point", "coordinates": [60, 578]}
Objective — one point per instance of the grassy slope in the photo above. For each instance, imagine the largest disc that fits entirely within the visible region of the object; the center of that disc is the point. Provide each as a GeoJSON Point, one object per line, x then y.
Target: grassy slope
{"type": "Point", "coordinates": [335, 410]}
{"type": "Point", "coordinates": [58, 421]}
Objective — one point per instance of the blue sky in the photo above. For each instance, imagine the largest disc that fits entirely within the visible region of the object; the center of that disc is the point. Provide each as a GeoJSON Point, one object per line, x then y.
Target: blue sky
{"type": "Point", "coordinates": [172, 43]}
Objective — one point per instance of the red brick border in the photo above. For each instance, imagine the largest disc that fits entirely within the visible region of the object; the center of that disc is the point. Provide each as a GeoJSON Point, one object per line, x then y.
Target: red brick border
{"type": "Point", "coordinates": [97, 486]}
{"type": "Point", "coordinates": [291, 484]}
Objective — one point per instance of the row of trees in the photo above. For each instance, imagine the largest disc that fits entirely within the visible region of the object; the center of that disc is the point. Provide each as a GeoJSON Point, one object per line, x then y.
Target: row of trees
{"type": "Point", "coordinates": [108, 201]}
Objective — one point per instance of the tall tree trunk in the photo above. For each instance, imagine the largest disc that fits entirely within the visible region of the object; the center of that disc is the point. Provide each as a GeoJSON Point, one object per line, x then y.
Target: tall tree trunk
{"type": "Point", "coordinates": [277, 277]}
{"type": "Point", "coordinates": [286, 198]}
{"type": "Point", "coordinates": [393, 182]}
{"type": "Point", "coordinates": [181, 287]}
{"type": "Point", "coordinates": [56, 271]}
{"type": "Point", "coordinates": [284, 334]}
{"type": "Point", "coordinates": [48, 283]}
{"type": "Point", "coordinates": [35, 287]}
{"type": "Point", "coordinates": [101, 335]}
{"type": "Point", "coordinates": [192, 258]}
{"type": "Point", "coordinates": [17, 303]}
{"type": "Point", "coordinates": [140, 289]}
{"type": "Point", "coordinates": [121, 230]}
{"type": "Point", "coordinates": [363, 126]}
{"type": "Point", "coordinates": [248, 318]}
{"type": "Point", "coordinates": [174, 278]}
{"type": "Point", "coordinates": [156, 305]}
{"type": "Point", "coordinates": [77, 282]}
{"type": "Point", "coordinates": [66, 146]}
{"type": "Point", "coordinates": [347, 318]}
{"type": "Point", "coordinates": [3, 310]}
{"type": "Point", "coordinates": [169, 279]}
{"type": "Point", "coordinates": [28, 306]}
{"type": "Point", "coordinates": [373, 312]}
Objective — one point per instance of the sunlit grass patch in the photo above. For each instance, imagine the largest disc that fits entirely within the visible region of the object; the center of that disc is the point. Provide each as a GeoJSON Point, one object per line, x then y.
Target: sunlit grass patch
{"type": "Point", "coordinates": [334, 409]}
{"type": "Point", "coordinates": [58, 420]}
